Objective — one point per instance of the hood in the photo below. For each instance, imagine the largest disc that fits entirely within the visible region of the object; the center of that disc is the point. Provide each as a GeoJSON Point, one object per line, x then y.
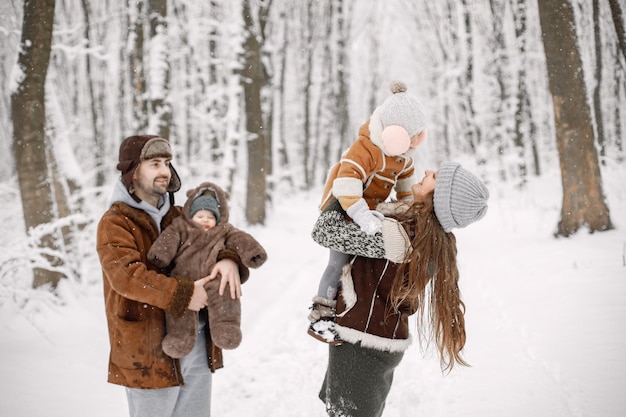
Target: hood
{"type": "Point", "coordinates": [216, 191]}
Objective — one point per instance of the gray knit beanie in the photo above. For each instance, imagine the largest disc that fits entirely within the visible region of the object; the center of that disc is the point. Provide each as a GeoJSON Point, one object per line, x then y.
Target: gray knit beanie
{"type": "Point", "coordinates": [205, 202]}
{"type": "Point", "coordinates": [402, 109]}
{"type": "Point", "coordinates": [460, 197]}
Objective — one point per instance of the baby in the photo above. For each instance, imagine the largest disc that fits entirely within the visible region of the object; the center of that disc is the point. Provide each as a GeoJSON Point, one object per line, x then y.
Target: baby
{"type": "Point", "coordinates": [190, 246]}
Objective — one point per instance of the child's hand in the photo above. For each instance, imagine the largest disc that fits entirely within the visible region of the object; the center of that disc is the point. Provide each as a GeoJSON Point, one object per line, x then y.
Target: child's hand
{"type": "Point", "coordinates": [370, 221]}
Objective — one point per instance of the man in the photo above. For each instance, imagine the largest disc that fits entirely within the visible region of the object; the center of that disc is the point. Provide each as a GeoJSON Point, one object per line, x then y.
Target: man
{"type": "Point", "coordinates": [137, 294]}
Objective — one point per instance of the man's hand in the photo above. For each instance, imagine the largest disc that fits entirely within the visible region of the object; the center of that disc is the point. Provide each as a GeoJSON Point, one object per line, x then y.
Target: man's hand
{"type": "Point", "coordinates": [229, 271]}
{"type": "Point", "coordinates": [199, 298]}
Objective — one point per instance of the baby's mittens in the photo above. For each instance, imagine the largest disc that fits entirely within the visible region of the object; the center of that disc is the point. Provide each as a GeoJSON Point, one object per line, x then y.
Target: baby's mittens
{"type": "Point", "coordinates": [370, 221]}
{"type": "Point", "coordinates": [395, 241]}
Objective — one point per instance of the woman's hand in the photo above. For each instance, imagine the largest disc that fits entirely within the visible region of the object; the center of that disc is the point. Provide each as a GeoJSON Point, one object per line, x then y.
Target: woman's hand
{"type": "Point", "coordinates": [229, 271]}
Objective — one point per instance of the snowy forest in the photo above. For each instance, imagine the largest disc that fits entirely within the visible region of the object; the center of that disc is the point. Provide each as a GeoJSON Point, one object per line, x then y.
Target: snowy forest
{"type": "Point", "coordinates": [262, 96]}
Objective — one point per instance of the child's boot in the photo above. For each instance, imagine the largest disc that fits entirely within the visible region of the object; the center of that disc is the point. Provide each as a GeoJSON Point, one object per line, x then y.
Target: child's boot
{"type": "Point", "coordinates": [322, 318]}
{"type": "Point", "coordinates": [181, 334]}
{"type": "Point", "coordinates": [224, 317]}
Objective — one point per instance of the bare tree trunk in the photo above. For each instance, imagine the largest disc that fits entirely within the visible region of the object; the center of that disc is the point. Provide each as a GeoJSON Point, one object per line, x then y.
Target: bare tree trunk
{"type": "Point", "coordinates": [253, 79]}
{"type": "Point", "coordinates": [597, 103]}
{"type": "Point", "coordinates": [98, 140]}
{"type": "Point", "coordinates": [525, 128]}
{"type": "Point", "coordinates": [500, 131]}
{"type": "Point", "coordinates": [309, 151]}
{"type": "Point", "coordinates": [333, 116]}
{"type": "Point", "coordinates": [29, 136]}
{"type": "Point", "coordinates": [619, 93]}
{"type": "Point", "coordinates": [160, 110]}
{"type": "Point", "coordinates": [342, 71]}
{"type": "Point", "coordinates": [135, 49]}
{"type": "Point", "coordinates": [267, 99]}
{"type": "Point", "coordinates": [583, 198]}
{"type": "Point", "coordinates": [323, 158]}
{"type": "Point", "coordinates": [282, 151]}
{"type": "Point", "coordinates": [618, 23]}
{"type": "Point", "coordinates": [466, 88]}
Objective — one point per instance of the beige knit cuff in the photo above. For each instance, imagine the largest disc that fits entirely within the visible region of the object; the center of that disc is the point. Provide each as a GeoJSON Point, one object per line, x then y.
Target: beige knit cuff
{"type": "Point", "coordinates": [395, 241]}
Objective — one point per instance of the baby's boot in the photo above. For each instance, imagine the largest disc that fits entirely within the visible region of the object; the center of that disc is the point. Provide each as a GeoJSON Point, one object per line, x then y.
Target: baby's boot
{"type": "Point", "coordinates": [224, 317]}
{"type": "Point", "coordinates": [322, 318]}
{"type": "Point", "coordinates": [181, 334]}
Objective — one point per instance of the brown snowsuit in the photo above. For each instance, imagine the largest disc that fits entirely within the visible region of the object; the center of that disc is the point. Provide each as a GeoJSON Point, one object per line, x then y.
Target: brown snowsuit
{"type": "Point", "coordinates": [189, 250]}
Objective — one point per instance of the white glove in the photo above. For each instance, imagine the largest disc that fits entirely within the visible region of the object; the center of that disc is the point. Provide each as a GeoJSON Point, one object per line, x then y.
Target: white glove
{"type": "Point", "coordinates": [395, 241]}
{"type": "Point", "coordinates": [370, 221]}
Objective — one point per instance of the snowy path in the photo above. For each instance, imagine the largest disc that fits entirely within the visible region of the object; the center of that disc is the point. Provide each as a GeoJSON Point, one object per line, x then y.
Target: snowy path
{"type": "Point", "coordinates": [531, 353]}
{"type": "Point", "coordinates": [544, 322]}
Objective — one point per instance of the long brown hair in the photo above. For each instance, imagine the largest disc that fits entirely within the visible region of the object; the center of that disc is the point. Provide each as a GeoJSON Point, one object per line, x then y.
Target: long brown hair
{"type": "Point", "coordinates": [428, 282]}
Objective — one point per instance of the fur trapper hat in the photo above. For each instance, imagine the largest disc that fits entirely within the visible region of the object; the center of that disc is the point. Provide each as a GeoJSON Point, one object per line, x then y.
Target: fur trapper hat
{"type": "Point", "coordinates": [135, 149]}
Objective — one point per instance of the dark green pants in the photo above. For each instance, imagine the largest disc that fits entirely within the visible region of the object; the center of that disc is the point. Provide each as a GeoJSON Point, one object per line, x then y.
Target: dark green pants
{"type": "Point", "coordinates": [357, 380]}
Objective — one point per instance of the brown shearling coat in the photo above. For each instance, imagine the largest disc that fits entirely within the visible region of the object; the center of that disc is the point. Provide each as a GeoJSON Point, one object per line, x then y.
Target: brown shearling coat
{"type": "Point", "coordinates": [364, 312]}
{"type": "Point", "coordinates": [137, 294]}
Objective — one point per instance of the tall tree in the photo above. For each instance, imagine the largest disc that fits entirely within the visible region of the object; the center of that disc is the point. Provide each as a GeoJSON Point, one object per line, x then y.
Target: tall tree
{"type": "Point", "coordinates": [525, 126]}
{"type": "Point", "coordinates": [618, 23]}
{"type": "Point", "coordinates": [159, 71]}
{"type": "Point", "coordinates": [94, 104]}
{"type": "Point", "coordinates": [28, 113]}
{"type": "Point", "coordinates": [139, 117]}
{"type": "Point", "coordinates": [342, 74]}
{"type": "Point", "coordinates": [583, 198]}
{"type": "Point", "coordinates": [597, 102]}
{"type": "Point", "coordinates": [254, 78]}
{"type": "Point", "coordinates": [467, 86]}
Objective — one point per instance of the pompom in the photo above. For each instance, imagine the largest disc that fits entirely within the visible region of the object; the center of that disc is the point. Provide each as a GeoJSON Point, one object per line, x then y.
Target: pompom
{"type": "Point", "coordinates": [397, 87]}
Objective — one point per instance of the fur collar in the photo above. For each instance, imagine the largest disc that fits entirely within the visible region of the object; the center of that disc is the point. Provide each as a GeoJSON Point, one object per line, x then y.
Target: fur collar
{"type": "Point", "coordinates": [389, 209]}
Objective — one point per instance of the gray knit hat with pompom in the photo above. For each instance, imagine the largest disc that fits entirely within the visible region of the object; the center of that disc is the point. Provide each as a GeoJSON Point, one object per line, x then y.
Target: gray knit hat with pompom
{"type": "Point", "coordinates": [402, 109]}
{"type": "Point", "coordinates": [460, 197]}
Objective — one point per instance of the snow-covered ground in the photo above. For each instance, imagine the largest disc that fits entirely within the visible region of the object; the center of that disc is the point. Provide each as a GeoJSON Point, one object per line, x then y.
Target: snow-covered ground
{"type": "Point", "coordinates": [545, 323]}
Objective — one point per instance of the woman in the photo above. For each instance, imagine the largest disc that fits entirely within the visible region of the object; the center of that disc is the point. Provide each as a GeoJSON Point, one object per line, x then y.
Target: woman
{"type": "Point", "coordinates": [377, 295]}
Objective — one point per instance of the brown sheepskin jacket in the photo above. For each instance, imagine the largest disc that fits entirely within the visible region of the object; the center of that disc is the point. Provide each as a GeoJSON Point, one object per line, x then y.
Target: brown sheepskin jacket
{"type": "Point", "coordinates": [366, 171]}
{"type": "Point", "coordinates": [191, 251]}
{"type": "Point", "coordinates": [364, 312]}
{"type": "Point", "coordinates": [137, 294]}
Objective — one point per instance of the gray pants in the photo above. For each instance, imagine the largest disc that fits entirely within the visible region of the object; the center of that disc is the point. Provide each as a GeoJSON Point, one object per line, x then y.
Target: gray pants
{"type": "Point", "coordinates": [191, 400]}
{"type": "Point", "coordinates": [357, 380]}
{"type": "Point", "coordinates": [329, 284]}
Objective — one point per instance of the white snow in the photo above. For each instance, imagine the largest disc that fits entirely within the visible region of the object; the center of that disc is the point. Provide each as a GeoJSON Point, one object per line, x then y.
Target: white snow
{"type": "Point", "coordinates": [545, 323]}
